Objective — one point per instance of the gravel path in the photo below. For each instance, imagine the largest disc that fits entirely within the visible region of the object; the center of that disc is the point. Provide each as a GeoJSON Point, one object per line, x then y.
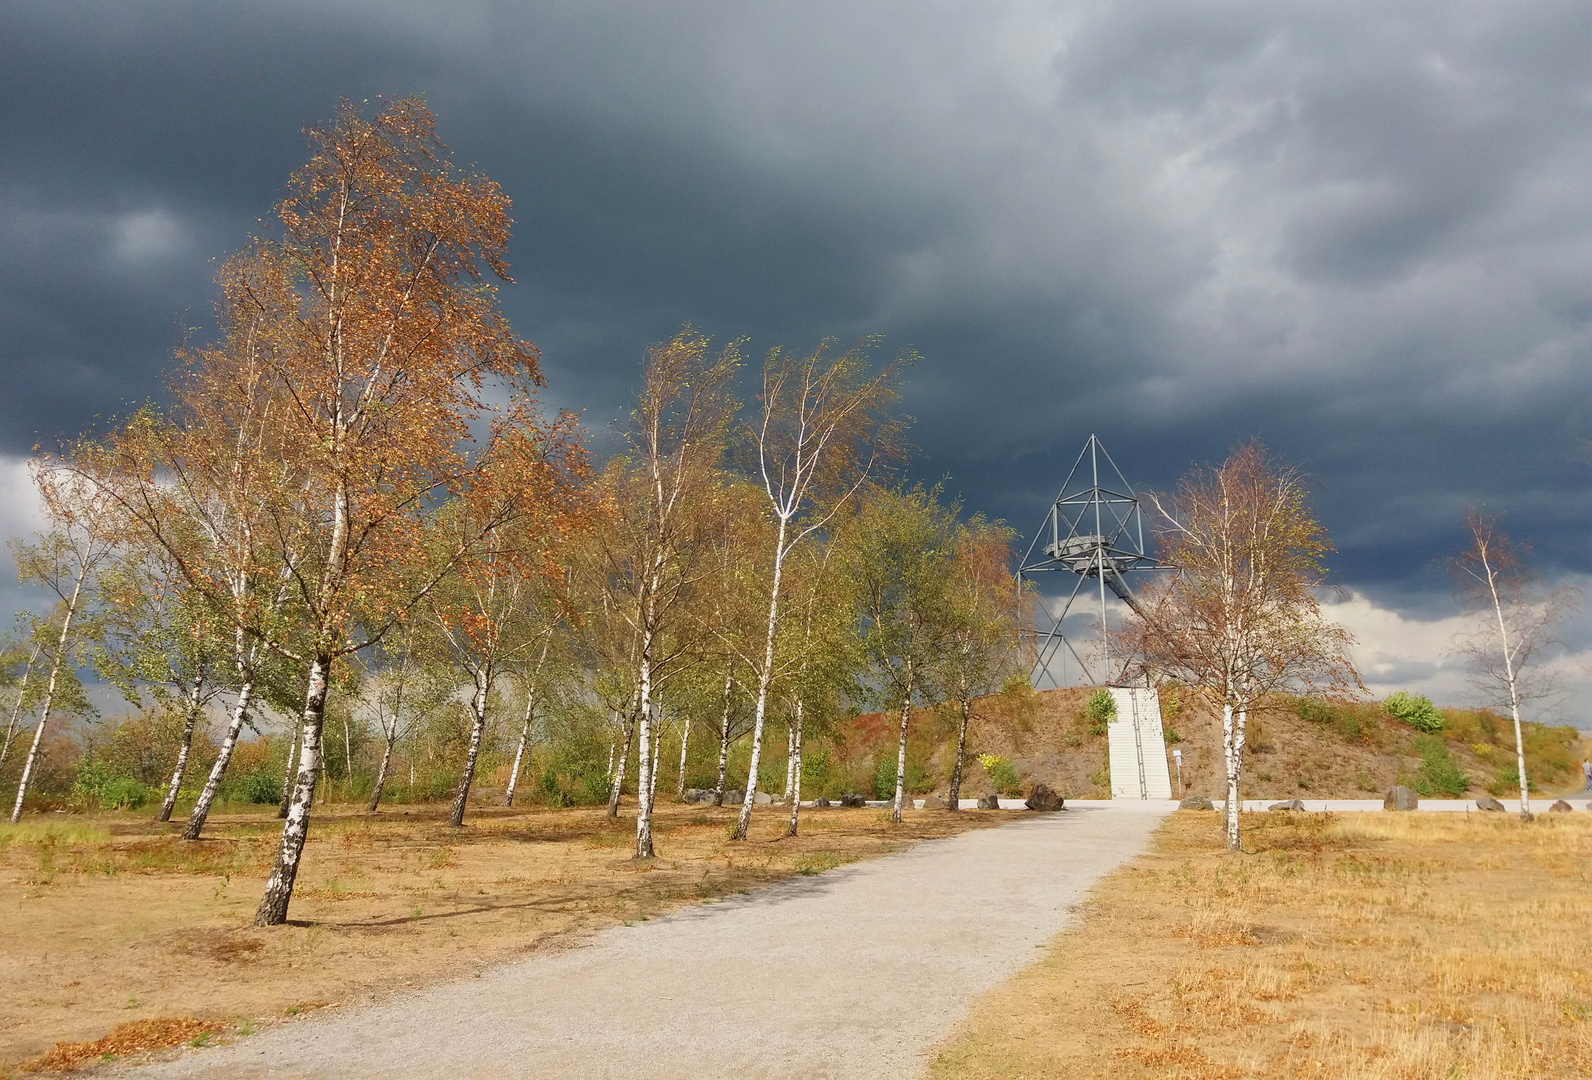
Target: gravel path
{"type": "Point", "coordinates": [855, 973]}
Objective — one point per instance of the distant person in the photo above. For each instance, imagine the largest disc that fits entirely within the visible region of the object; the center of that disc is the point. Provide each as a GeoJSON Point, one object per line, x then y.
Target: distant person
{"type": "Point", "coordinates": [1586, 771]}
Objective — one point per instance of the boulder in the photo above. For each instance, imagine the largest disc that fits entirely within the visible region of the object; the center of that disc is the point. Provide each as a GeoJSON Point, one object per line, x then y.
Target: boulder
{"type": "Point", "coordinates": [699, 794]}
{"type": "Point", "coordinates": [820, 803]}
{"type": "Point", "coordinates": [989, 802]}
{"type": "Point", "coordinates": [734, 798]}
{"type": "Point", "coordinates": [934, 802]}
{"type": "Point", "coordinates": [1401, 798]}
{"type": "Point", "coordinates": [1287, 804]}
{"type": "Point", "coordinates": [853, 800]}
{"type": "Point", "coordinates": [762, 798]}
{"type": "Point", "coordinates": [1196, 802]}
{"type": "Point", "coordinates": [1560, 807]}
{"type": "Point", "coordinates": [1042, 798]}
{"type": "Point", "coordinates": [1487, 802]}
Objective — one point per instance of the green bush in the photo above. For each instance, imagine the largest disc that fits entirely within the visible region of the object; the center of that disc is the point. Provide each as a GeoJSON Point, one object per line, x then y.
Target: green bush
{"type": "Point", "coordinates": [262, 788]}
{"type": "Point", "coordinates": [1439, 774]}
{"type": "Point", "coordinates": [1002, 775]}
{"type": "Point", "coordinates": [1416, 711]}
{"type": "Point", "coordinates": [1171, 736]}
{"type": "Point", "coordinates": [1101, 710]}
{"type": "Point", "coordinates": [884, 777]}
{"type": "Point", "coordinates": [97, 785]}
{"type": "Point", "coordinates": [1507, 782]}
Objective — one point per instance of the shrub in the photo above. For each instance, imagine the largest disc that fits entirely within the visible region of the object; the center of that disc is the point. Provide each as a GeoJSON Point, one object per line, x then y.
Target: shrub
{"type": "Point", "coordinates": [98, 786]}
{"type": "Point", "coordinates": [262, 788]}
{"type": "Point", "coordinates": [1439, 774]}
{"type": "Point", "coordinates": [1508, 781]}
{"type": "Point", "coordinates": [884, 778]}
{"type": "Point", "coordinates": [1415, 710]}
{"type": "Point", "coordinates": [1016, 682]}
{"type": "Point", "coordinates": [1170, 734]}
{"type": "Point", "coordinates": [1002, 775]}
{"type": "Point", "coordinates": [1100, 710]}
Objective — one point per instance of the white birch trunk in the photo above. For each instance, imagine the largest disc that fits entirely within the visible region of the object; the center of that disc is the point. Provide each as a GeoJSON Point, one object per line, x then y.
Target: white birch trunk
{"type": "Point", "coordinates": [685, 741]}
{"type": "Point", "coordinates": [790, 758]}
{"type": "Point", "coordinates": [1514, 696]}
{"type": "Point", "coordinates": [901, 748]}
{"type": "Point", "coordinates": [483, 687]}
{"type": "Point", "coordinates": [49, 695]}
{"type": "Point", "coordinates": [389, 739]}
{"type": "Point", "coordinates": [724, 746]}
{"type": "Point", "coordinates": [530, 715]}
{"type": "Point", "coordinates": [657, 756]}
{"type": "Point", "coordinates": [1232, 757]}
{"type": "Point", "coordinates": [519, 751]}
{"type": "Point", "coordinates": [627, 732]}
{"type": "Point", "coordinates": [201, 809]}
{"type": "Point", "coordinates": [765, 678]}
{"type": "Point", "coordinates": [16, 710]}
{"type": "Point", "coordinates": [291, 769]}
{"type": "Point", "coordinates": [796, 780]}
{"type": "Point", "coordinates": [183, 751]}
{"type": "Point", "coordinates": [279, 889]}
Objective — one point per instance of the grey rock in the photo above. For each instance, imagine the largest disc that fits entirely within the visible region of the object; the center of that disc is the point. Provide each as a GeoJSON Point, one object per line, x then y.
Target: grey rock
{"type": "Point", "coordinates": [1196, 802]}
{"type": "Point", "coordinates": [762, 798]}
{"type": "Point", "coordinates": [1042, 798]}
{"type": "Point", "coordinates": [1401, 798]}
{"type": "Point", "coordinates": [1487, 802]}
{"type": "Point", "coordinates": [734, 798]}
{"type": "Point", "coordinates": [934, 802]}
{"type": "Point", "coordinates": [1560, 807]}
{"type": "Point", "coordinates": [989, 802]}
{"type": "Point", "coordinates": [820, 803]}
{"type": "Point", "coordinates": [853, 800]}
{"type": "Point", "coordinates": [699, 795]}
{"type": "Point", "coordinates": [1287, 804]}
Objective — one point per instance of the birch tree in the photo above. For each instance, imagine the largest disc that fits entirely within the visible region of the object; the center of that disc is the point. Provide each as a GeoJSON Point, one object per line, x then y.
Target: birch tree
{"type": "Point", "coordinates": [85, 528]}
{"type": "Point", "coordinates": [1513, 619]}
{"type": "Point", "coordinates": [900, 559]}
{"type": "Point", "coordinates": [386, 333]}
{"type": "Point", "coordinates": [157, 635]}
{"type": "Point", "coordinates": [822, 429]}
{"type": "Point", "coordinates": [981, 640]}
{"type": "Point", "coordinates": [1240, 620]}
{"type": "Point", "coordinates": [23, 700]}
{"type": "Point", "coordinates": [651, 550]}
{"type": "Point", "coordinates": [487, 619]}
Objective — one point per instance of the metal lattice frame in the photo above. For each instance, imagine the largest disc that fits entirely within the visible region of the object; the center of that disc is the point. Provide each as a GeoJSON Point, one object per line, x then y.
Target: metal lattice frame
{"type": "Point", "coordinates": [1094, 532]}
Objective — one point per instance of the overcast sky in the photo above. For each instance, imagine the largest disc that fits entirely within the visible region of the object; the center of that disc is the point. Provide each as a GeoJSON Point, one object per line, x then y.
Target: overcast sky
{"type": "Point", "coordinates": [1361, 232]}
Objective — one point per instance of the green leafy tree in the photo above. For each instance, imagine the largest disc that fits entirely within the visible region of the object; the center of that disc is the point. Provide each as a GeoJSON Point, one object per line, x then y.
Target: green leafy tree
{"type": "Point", "coordinates": [899, 557]}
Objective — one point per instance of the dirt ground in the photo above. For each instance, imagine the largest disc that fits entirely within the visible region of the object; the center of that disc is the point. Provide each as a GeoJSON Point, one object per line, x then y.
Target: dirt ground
{"type": "Point", "coordinates": [112, 919]}
{"type": "Point", "coordinates": [1341, 946]}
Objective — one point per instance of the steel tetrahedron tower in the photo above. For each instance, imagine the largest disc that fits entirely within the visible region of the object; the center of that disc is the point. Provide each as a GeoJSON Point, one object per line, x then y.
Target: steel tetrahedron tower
{"type": "Point", "coordinates": [1094, 532]}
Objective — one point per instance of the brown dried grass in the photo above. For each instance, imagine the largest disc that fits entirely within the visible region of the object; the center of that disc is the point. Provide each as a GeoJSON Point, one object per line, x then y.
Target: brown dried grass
{"type": "Point", "coordinates": [115, 915]}
{"type": "Point", "coordinates": [1372, 945]}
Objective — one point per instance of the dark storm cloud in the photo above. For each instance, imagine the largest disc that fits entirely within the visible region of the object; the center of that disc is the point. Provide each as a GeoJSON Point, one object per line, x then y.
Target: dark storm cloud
{"type": "Point", "coordinates": [1360, 232]}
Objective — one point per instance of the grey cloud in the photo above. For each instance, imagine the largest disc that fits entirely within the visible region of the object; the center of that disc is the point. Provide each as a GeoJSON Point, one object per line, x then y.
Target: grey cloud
{"type": "Point", "coordinates": [1358, 231]}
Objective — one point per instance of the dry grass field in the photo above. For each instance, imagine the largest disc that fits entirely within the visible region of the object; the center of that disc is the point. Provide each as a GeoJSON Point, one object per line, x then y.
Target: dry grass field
{"type": "Point", "coordinates": [118, 931]}
{"type": "Point", "coordinates": [1372, 945]}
